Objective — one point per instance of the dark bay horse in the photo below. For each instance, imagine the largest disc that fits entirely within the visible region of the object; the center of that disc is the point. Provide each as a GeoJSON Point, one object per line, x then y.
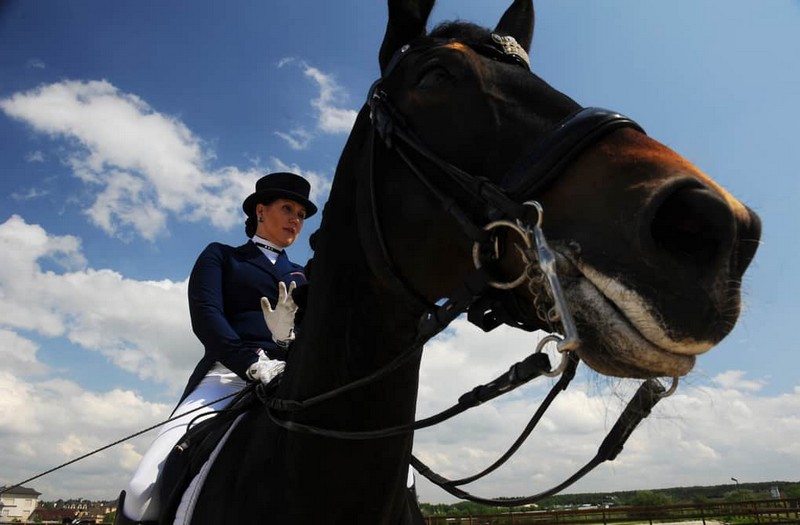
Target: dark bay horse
{"type": "Point", "coordinates": [649, 250]}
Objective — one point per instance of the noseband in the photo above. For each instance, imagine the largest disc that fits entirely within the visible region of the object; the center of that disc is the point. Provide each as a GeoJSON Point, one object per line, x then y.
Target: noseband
{"type": "Point", "coordinates": [507, 205]}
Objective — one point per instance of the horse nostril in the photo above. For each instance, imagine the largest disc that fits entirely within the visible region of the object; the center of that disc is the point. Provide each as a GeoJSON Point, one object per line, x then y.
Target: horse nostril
{"type": "Point", "coordinates": [695, 226]}
{"type": "Point", "coordinates": [749, 234]}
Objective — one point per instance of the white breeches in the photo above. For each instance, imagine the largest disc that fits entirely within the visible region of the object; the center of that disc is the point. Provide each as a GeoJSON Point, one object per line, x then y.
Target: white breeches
{"type": "Point", "coordinates": [141, 498]}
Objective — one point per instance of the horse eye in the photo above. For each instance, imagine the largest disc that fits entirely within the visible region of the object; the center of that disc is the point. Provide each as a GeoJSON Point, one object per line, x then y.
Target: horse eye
{"type": "Point", "coordinates": [433, 77]}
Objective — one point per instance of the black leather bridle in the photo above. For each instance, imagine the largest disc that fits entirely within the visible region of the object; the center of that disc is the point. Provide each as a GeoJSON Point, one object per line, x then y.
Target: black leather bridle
{"type": "Point", "coordinates": [528, 177]}
{"type": "Point", "coordinates": [524, 180]}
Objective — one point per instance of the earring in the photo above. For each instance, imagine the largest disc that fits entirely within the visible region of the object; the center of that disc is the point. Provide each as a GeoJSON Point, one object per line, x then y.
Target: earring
{"type": "Point", "coordinates": [260, 218]}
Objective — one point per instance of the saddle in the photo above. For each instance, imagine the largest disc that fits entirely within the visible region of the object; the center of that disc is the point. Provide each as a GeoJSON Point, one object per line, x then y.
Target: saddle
{"type": "Point", "coordinates": [194, 454]}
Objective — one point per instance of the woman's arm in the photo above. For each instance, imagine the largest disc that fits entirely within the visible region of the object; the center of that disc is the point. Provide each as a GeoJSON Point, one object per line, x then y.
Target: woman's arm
{"type": "Point", "coordinates": [206, 308]}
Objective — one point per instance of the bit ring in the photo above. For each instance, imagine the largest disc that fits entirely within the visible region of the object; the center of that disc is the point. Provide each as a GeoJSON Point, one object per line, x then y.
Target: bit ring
{"type": "Point", "coordinates": [476, 249]}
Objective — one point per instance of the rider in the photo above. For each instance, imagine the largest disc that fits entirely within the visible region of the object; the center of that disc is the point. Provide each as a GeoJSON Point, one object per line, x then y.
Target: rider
{"type": "Point", "coordinates": [229, 290]}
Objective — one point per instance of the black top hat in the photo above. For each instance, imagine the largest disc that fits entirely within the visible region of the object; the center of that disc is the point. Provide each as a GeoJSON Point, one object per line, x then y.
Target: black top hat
{"type": "Point", "coordinates": [280, 185]}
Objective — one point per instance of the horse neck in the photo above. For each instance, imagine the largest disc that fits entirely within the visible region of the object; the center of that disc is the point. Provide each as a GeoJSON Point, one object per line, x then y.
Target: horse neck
{"type": "Point", "coordinates": [353, 325]}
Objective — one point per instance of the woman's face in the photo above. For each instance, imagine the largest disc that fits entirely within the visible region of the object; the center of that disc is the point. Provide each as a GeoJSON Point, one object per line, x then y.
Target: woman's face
{"type": "Point", "coordinates": [282, 221]}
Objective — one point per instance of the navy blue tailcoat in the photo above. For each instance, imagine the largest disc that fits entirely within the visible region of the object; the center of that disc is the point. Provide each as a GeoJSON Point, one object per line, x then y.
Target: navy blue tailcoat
{"type": "Point", "coordinates": [225, 291]}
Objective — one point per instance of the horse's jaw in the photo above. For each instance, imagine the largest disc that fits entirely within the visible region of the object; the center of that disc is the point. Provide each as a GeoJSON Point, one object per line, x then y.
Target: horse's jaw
{"type": "Point", "coordinates": [621, 335]}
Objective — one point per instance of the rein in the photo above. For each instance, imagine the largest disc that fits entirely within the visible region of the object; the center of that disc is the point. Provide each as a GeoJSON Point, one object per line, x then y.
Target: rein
{"type": "Point", "coordinates": [532, 173]}
{"type": "Point", "coordinates": [638, 408]}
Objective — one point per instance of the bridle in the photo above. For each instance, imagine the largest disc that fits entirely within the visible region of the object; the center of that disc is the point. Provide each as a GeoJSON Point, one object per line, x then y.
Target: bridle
{"type": "Point", "coordinates": [504, 205]}
{"type": "Point", "coordinates": [509, 206]}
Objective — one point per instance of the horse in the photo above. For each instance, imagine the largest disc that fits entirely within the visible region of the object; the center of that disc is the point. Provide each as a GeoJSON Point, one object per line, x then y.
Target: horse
{"type": "Point", "coordinates": [435, 185]}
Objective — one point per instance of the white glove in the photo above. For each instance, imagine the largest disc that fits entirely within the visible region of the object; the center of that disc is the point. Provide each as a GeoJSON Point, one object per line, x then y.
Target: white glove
{"type": "Point", "coordinates": [265, 369]}
{"type": "Point", "coordinates": [280, 321]}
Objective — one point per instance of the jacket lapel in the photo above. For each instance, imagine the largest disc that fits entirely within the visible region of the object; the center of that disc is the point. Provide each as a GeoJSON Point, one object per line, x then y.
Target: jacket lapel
{"type": "Point", "coordinates": [253, 255]}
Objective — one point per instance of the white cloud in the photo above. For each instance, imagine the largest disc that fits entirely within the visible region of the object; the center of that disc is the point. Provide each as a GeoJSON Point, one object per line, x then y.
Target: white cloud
{"type": "Point", "coordinates": [140, 326]}
{"type": "Point", "coordinates": [48, 423]}
{"type": "Point", "coordinates": [48, 419]}
{"type": "Point", "coordinates": [736, 379]}
{"type": "Point", "coordinates": [35, 156]}
{"type": "Point", "coordinates": [125, 198]}
{"type": "Point", "coordinates": [35, 63]}
{"type": "Point", "coordinates": [30, 194]}
{"type": "Point", "coordinates": [298, 138]}
{"type": "Point", "coordinates": [331, 117]}
{"type": "Point", "coordinates": [15, 406]}
{"type": "Point", "coordinates": [133, 157]}
{"type": "Point", "coordinates": [18, 354]}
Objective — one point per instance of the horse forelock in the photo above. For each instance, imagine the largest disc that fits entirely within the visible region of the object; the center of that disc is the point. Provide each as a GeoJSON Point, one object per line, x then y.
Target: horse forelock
{"type": "Point", "coordinates": [458, 29]}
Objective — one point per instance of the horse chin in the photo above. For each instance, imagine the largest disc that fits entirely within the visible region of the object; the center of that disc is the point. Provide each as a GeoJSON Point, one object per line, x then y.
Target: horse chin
{"type": "Point", "coordinates": [619, 334]}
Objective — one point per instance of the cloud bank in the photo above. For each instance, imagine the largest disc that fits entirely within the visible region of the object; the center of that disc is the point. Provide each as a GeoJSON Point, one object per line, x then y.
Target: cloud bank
{"type": "Point", "coordinates": [704, 434]}
{"type": "Point", "coordinates": [709, 430]}
{"type": "Point", "coordinates": [142, 327]}
{"type": "Point", "coordinates": [141, 166]}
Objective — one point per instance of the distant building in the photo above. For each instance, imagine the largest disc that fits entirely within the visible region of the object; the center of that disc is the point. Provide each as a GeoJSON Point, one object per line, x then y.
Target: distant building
{"type": "Point", "coordinates": [80, 512]}
{"type": "Point", "coordinates": [18, 503]}
{"type": "Point", "coordinates": [54, 515]}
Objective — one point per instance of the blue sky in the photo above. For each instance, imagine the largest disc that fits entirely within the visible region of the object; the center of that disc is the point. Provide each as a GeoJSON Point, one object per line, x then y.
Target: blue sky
{"type": "Point", "coordinates": [130, 132]}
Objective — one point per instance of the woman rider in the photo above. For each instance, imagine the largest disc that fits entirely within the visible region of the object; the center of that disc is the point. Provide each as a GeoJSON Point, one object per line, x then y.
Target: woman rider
{"type": "Point", "coordinates": [228, 292]}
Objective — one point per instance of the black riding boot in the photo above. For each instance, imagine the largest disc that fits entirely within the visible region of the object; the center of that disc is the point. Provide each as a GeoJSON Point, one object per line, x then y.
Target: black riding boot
{"type": "Point", "coordinates": [122, 519]}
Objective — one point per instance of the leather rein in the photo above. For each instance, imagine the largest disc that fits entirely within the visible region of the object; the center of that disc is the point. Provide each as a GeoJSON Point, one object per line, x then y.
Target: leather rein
{"type": "Point", "coordinates": [537, 169]}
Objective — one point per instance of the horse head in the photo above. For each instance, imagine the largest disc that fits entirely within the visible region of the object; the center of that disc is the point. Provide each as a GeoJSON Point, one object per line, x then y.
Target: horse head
{"type": "Point", "coordinates": [650, 250]}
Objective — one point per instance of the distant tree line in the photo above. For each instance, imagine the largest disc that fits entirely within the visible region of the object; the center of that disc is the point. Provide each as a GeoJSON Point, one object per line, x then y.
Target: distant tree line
{"type": "Point", "coordinates": [639, 498]}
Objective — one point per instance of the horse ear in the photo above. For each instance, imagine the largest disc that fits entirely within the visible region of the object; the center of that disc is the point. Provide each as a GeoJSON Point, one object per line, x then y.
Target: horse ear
{"type": "Point", "coordinates": [407, 19]}
{"type": "Point", "coordinates": [517, 21]}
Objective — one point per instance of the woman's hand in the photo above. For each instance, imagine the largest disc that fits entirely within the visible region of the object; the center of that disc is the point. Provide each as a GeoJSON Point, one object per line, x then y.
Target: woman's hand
{"type": "Point", "coordinates": [280, 320]}
{"type": "Point", "coordinates": [265, 369]}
